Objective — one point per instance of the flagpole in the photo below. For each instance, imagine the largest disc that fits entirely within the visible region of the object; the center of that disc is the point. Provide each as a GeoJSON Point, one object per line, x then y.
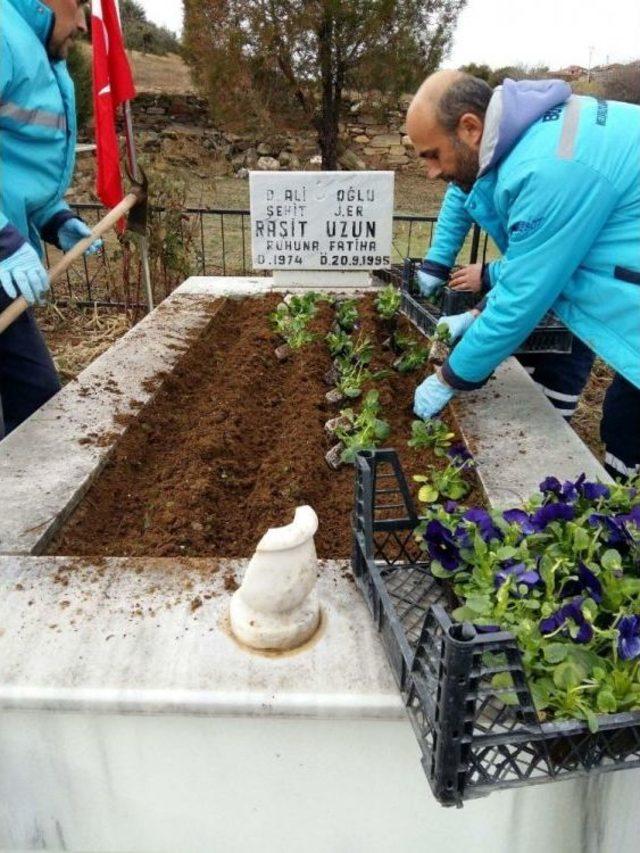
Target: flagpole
{"type": "Point", "coordinates": [132, 157]}
{"type": "Point", "coordinates": [143, 239]}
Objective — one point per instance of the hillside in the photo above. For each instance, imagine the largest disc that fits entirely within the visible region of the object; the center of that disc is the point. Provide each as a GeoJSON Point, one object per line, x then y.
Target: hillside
{"type": "Point", "coordinates": [161, 74]}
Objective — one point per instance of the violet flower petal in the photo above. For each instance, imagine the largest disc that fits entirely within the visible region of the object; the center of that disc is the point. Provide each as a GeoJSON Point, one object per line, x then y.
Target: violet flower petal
{"type": "Point", "coordinates": [552, 512]}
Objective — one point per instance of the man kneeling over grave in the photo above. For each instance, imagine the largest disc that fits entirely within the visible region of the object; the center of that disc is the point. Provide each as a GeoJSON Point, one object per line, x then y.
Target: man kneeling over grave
{"type": "Point", "coordinates": [555, 180]}
{"type": "Point", "coordinates": [560, 376]}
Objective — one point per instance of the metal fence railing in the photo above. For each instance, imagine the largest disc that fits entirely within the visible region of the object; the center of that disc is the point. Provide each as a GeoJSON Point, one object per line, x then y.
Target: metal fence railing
{"type": "Point", "coordinates": [200, 241]}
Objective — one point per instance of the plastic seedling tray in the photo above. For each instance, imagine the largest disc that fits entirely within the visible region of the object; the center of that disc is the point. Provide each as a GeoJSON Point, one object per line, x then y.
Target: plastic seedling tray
{"type": "Point", "coordinates": [549, 336]}
{"type": "Point", "coordinates": [472, 743]}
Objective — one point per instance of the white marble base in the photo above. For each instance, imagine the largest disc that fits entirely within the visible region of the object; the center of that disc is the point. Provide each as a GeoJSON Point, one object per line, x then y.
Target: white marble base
{"type": "Point", "coordinates": [107, 782]}
{"type": "Point", "coordinates": [315, 280]}
{"type": "Point", "coordinates": [153, 635]}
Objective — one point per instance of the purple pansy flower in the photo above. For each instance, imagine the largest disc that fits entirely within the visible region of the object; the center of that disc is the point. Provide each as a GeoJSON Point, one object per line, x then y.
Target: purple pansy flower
{"type": "Point", "coordinates": [569, 491]}
{"type": "Point", "coordinates": [573, 611]}
{"type": "Point", "coordinates": [617, 533]}
{"type": "Point", "coordinates": [595, 491]}
{"type": "Point", "coordinates": [459, 454]}
{"type": "Point", "coordinates": [586, 583]}
{"type": "Point", "coordinates": [462, 537]}
{"type": "Point", "coordinates": [633, 516]}
{"type": "Point", "coordinates": [629, 637]}
{"type": "Point", "coordinates": [521, 518]}
{"type": "Point", "coordinates": [550, 485]}
{"type": "Point", "coordinates": [442, 546]}
{"type": "Point", "coordinates": [551, 512]}
{"type": "Point", "coordinates": [520, 573]}
{"type": "Point", "coordinates": [450, 506]}
{"type": "Point", "coordinates": [484, 522]}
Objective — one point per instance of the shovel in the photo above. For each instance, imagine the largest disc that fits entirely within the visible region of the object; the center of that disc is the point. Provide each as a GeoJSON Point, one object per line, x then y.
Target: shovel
{"type": "Point", "coordinates": [134, 204]}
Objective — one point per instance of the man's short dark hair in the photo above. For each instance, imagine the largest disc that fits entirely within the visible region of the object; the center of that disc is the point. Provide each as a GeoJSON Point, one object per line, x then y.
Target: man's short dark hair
{"type": "Point", "coordinates": [467, 95]}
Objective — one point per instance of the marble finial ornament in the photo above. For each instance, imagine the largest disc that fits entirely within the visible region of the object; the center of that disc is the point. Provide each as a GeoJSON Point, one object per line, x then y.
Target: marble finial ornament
{"type": "Point", "coordinates": [277, 605]}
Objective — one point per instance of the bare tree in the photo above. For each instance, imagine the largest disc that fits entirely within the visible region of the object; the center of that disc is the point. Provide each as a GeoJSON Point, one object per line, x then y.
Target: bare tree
{"type": "Point", "coordinates": [314, 49]}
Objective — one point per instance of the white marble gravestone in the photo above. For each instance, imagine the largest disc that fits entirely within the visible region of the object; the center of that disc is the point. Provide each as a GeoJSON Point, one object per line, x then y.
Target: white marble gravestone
{"type": "Point", "coordinates": [321, 228]}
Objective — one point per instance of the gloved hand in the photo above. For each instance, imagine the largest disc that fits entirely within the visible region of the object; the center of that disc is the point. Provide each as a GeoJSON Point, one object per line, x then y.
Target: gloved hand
{"type": "Point", "coordinates": [74, 230]}
{"type": "Point", "coordinates": [22, 274]}
{"type": "Point", "coordinates": [431, 397]}
{"type": "Point", "coordinates": [458, 323]}
{"type": "Point", "coordinates": [428, 283]}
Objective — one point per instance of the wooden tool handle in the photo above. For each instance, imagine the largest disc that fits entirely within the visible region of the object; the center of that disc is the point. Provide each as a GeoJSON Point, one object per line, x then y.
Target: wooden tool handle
{"type": "Point", "coordinates": [19, 305]}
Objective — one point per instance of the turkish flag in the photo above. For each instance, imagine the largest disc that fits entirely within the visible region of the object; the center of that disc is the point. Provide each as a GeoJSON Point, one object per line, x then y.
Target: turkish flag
{"type": "Point", "coordinates": [112, 86]}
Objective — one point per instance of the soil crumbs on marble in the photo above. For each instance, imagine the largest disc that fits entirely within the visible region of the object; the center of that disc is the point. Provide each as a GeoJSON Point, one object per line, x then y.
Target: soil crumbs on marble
{"type": "Point", "coordinates": [233, 443]}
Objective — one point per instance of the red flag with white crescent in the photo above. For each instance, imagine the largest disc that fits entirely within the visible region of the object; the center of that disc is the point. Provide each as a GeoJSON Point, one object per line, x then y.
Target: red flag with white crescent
{"type": "Point", "coordinates": [112, 86]}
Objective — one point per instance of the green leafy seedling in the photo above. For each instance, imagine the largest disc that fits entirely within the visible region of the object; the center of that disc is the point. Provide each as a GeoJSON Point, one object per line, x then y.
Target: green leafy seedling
{"type": "Point", "coordinates": [442, 334]}
{"type": "Point", "coordinates": [347, 314]}
{"type": "Point", "coordinates": [412, 359]}
{"type": "Point", "coordinates": [339, 343]}
{"type": "Point", "coordinates": [433, 434]}
{"type": "Point", "coordinates": [366, 429]}
{"type": "Point", "coordinates": [388, 302]}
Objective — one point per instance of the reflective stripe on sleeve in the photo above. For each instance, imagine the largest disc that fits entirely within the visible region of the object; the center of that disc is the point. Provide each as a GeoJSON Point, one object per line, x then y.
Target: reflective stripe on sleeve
{"type": "Point", "coordinates": [37, 118]}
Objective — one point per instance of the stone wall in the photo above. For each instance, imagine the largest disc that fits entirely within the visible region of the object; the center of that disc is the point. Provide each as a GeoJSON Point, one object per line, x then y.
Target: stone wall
{"type": "Point", "coordinates": [372, 135]}
{"type": "Point", "coordinates": [377, 134]}
{"type": "Point", "coordinates": [158, 112]}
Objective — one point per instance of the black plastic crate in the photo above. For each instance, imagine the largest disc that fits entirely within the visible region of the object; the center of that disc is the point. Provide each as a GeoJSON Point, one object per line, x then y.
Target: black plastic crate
{"type": "Point", "coordinates": [471, 742]}
{"type": "Point", "coordinates": [549, 336]}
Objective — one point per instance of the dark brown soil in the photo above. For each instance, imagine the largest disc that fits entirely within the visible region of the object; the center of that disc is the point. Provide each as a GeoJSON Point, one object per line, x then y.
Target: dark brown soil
{"type": "Point", "coordinates": [233, 442]}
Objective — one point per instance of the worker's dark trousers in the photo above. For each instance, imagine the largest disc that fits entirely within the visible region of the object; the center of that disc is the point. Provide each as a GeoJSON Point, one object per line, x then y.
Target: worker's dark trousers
{"type": "Point", "coordinates": [620, 428]}
{"type": "Point", "coordinates": [562, 378]}
{"type": "Point", "coordinates": [28, 376]}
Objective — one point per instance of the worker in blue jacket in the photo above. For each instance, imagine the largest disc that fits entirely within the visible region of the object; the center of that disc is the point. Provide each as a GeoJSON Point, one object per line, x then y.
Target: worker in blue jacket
{"type": "Point", "coordinates": [555, 180]}
{"type": "Point", "coordinates": [37, 153]}
{"type": "Point", "coordinates": [560, 376]}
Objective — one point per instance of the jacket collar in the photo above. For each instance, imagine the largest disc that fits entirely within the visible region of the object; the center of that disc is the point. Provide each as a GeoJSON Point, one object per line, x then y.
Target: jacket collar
{"type": "Point", "coordinates": [38, 16]}
{"type": "Point", "coordinates": [513, 108]}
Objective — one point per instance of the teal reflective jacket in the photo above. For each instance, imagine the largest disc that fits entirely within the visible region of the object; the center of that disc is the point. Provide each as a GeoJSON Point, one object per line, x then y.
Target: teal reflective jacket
{"type": "Point", "coordinates": [37, 124]}
{"type": "Point", "coordinates": [451, 231]}
{"type": "Point", "coordinates": [562, 202]}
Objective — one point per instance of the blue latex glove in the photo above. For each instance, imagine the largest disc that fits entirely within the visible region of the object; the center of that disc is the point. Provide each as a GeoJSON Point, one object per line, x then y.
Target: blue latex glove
{"type": "Point", "coordinates": [428, 283]}
{"type": "Point", "coordinates": [22, 274]}
{"type": "Point", "coordinates": [431, 397]}
{"type": "Point", "coordinates": [458, 323]}
{"type": "Point", "coordinates": [74, 230]}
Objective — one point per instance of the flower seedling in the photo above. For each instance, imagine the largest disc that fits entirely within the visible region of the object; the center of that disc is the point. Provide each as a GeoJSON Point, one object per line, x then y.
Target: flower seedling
{"type": "Point", "coordinates": [412, 359]}
{"type": "Point", "coordinates": [440, 345]}
{"type": "Point", "coordinates": [562, 574]}
{"type": "Point", "coordinates": [366, 430]}
{"type": "Point", "coordinates": [449, 482]}
{"type": "Point", "coordinates": [432, 434]}
{"type": "Point", "coordinates": [347, 314]}
{"type": "Point", "coordinates": [443, 334]}
{"type": "Point", "coordinates": [354, 376]}
{"type": "Point", "coordinates": [339, 343]}
{"type": "Point", "coordinates": [363, 349]}
{"type": "Point", "coordinates": [291, 319]}
{"type": "Point", "coordinates": [388, 303]}
{"type": "Point", "coordinates": [343, 348]}
{"type": "Point", "coordinates": [398, 342]}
